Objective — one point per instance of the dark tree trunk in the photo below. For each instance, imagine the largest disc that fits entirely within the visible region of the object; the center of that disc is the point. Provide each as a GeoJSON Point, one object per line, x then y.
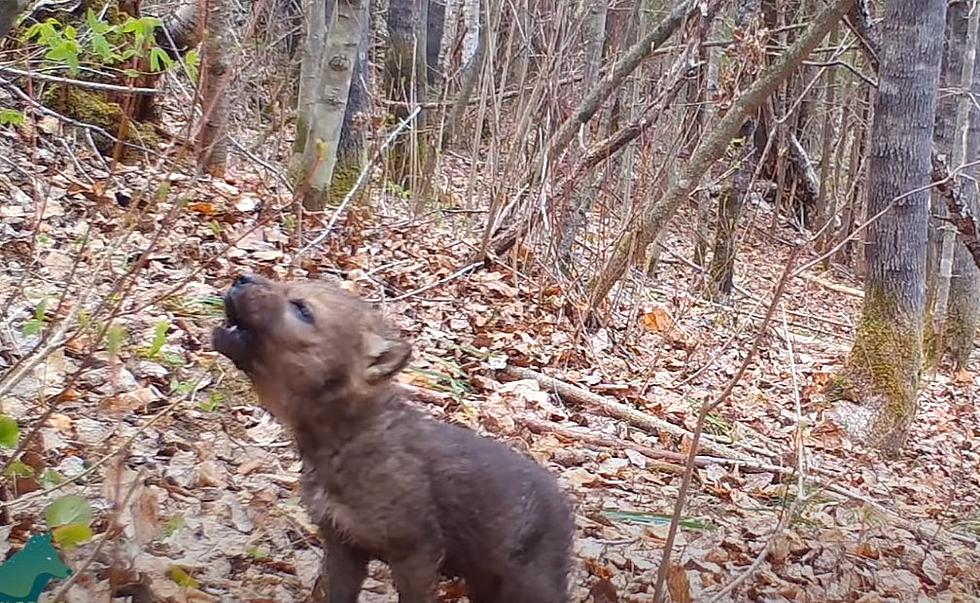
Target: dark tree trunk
{"type": "Point", "coordinates": [884, 367]}
{"type": "Point", "coordinates": [405, 84]}
{"type": "Point", "coordinates": [730, 203]}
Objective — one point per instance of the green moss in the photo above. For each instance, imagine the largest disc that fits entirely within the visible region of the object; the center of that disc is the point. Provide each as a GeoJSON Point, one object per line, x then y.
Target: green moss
{"type": "Point", "coordinates": [884, 367]}
{"type": "Point", "coordinates": [92, 108]}
{"type": "Point", "coordinates": [345, 173]}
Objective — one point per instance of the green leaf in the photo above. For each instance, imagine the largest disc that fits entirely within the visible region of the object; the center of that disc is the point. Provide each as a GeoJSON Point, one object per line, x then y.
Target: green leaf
{"type": "Point", "coordinates": [159, 338]}
{"type": "Point", "coordinates": [41, 309]}
{"type": "Point", "coordinates": [193, 61]}
{"type": "Point", "coordinates": [256, 552]}
{"type": "Point", "coordinates": [11, 117]}
{"type": "Point", "coordinates": [71, 535]}
{"type": "Point", "coordinates": [213, 403]}
{"type": "Point", "coordinates": [652, 519]}
{"type": "Point", "coordinates": [175, 524]}
{"type": "Point", "coordinates": [101, 47]}
{"type": "Point", "coordinates": [32, 327]}
{"type": "Point", "coordinates": [19, 469]}
{"type": "Point", "coordinates": [114, 339]}
{"type": "Point", "coordinates": [52, 478]}
{"type": "Point", "coordinates": [160, 60]}
{"type": "Point", "coordinates": [181, 577]}
{"type": "Point", "coordinates": [9, 432]}
{"type": "Point", "coordinates": [68, 509]}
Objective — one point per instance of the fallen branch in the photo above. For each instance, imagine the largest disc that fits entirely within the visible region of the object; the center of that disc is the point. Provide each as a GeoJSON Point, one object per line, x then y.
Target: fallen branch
{"type": "Point", "coordinates": [610, 408]}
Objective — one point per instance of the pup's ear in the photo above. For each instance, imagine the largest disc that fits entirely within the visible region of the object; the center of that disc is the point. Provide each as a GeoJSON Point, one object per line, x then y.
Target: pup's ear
{"type": "Point", "coordinates": [385, 357]}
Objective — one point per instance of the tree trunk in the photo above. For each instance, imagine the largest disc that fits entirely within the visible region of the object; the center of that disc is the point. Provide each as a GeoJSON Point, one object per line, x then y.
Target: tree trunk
{"type": "Point", "coordinates": [826, 207]}
{"type": "Point", "coordinates": [9, 10]}
{"type": "Point", "coordinates": [960, 108]}
{"type": "Point", "coordinates": [963, 310]}
{"type": "Point", "coordinates": [323, 108]}
{"type": "Point", "coordinates": [883, 370]}
{"type": "Point", "coordinates": [946, 107]}
{"type": "Point", "coordinates": [350, 147]}
{"type": "Point", "coordinates": [474, 49]}
{"type": "Point", "coordinates": [732, 200]}
{"type": "Point", "coordinates": [405, 85]}
{"type": "Point", "coordinates": [212, 144]}
{"type": "Point", "coordinates": [584, 196]}
{"type": "Point", "coordinates": [656, 215]}
{"type": "Point", "coordinates": [707, 113]}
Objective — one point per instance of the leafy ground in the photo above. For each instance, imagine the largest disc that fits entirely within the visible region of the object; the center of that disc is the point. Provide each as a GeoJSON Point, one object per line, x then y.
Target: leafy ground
{"type": "Point", "coordinates": [198, 487]}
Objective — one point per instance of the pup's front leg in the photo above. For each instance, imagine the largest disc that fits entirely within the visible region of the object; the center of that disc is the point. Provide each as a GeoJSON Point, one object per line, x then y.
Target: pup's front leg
{"type": "Point", "coordinates": [416, 575]}
{"type": "Point", "coordinates": [342, 572]}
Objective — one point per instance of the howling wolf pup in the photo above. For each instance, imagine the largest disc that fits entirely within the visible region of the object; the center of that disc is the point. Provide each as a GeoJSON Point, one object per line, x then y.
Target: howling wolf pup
{"type": "Point", "coordinates": [381, 479]}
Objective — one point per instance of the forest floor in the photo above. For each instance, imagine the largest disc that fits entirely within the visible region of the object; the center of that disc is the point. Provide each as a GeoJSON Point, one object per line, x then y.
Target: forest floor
{"type": "Point", "coordinates": [165, 431]}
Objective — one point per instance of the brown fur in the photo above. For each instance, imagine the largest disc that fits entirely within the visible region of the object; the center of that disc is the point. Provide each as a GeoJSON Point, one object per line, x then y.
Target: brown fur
{"type": "Point", "coordinates": [381, 479]}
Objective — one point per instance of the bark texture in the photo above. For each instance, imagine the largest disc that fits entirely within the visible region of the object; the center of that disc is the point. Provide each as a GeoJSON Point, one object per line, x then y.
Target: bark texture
{"type": "Point", "coordinates": [963, 310]}
{"type": "Point", "coordinates": [883, 370]}
{"type": "Point", "coordinates": [324, 98]}
{"type": "Point", "coordinates": [405, 84]}
{"type": "Point", "coordinates": [212, 142]}
{"type": "Point", "coordinates": [732, 200]}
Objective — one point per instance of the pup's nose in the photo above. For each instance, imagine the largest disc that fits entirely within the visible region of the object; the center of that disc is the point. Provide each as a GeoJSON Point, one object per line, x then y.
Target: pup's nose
{"type": "Point", "coordinates": [243, 280]}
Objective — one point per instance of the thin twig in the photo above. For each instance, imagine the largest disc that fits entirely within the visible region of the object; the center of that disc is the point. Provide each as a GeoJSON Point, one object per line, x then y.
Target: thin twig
{"type": "Point", "coordinates": [702, 416]}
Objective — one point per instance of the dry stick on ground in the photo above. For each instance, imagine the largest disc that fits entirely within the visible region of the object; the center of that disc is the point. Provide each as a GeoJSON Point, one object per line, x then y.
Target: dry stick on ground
{"type": "Point", "coordinates": [699, 427]}
{"type": "Point", "coordinates": [538, 426]}
{"type": "Point", "coordinates": [614, 409]}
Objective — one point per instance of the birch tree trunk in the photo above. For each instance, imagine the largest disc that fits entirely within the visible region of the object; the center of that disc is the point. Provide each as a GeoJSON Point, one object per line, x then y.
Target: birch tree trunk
{"type": "Point", "coordinates": [350, 148]}
{"type": "Point", "coordinates": [878, 386]}
{"type": "Point", "coordinates": [656, 215]}
{"type": "Point", "coordinates": [324, 92]}
{"type": "Point", "coordinates": [474, 49]}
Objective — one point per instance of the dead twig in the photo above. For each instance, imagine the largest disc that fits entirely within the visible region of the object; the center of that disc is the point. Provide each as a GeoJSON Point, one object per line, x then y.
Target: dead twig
{"type": "Point", "coordinates": [699, 427]}
{"type": "Point", "coordinates": [616, 410]}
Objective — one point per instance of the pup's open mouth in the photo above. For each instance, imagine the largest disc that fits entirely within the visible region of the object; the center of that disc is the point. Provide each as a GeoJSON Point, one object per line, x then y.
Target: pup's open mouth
{"type": "Point", "coordinates": [232, 339]}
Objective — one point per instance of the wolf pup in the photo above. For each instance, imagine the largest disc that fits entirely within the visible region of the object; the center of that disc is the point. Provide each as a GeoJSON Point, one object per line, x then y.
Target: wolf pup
{"type": "Point", "coordinates": [381, 479]}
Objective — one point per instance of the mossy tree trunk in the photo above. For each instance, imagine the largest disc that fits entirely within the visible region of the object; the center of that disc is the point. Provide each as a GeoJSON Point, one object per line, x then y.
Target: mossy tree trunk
{"type": "Point", "coordinates": [883, 370]}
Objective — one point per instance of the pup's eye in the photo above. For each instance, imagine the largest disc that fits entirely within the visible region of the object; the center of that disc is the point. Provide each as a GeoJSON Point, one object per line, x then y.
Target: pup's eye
{"type": "Point", "coordinates": [301, 310]}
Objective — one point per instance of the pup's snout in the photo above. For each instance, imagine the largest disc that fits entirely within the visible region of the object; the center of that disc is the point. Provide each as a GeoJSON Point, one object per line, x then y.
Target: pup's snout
{"type": "Point", "coordinates": [244, 279]}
